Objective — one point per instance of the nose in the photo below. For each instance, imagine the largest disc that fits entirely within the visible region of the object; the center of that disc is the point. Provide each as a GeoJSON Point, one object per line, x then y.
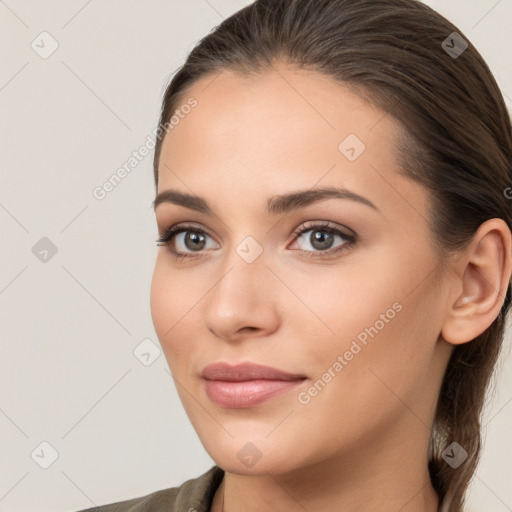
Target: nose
{"type": "Point", "coordinates": [242, 302]}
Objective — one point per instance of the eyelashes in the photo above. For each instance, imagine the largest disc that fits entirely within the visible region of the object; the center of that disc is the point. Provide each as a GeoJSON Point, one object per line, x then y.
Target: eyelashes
{"type": "Point", "coordinates": [170, 235]}
{"type": "Point", "coordinates": [349, 239]}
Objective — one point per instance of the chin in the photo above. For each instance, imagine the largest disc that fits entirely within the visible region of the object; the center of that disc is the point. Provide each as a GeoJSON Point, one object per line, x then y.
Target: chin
{"type": "Point", "coordinates": [254, 458]}
{"type": "Point", "coordinates": [260, 468]}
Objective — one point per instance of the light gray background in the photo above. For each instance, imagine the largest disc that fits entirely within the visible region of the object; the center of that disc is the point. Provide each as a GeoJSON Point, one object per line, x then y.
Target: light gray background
{"type": "Point", "coordinates": [68, 327]}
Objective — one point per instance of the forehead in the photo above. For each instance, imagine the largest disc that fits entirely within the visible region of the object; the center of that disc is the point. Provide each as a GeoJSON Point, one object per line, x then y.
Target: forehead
{"type": "Point", "coordinates": [280, 111]}
{"type": "Point", "coordinates": [277, 131]}
{"type": "Point", "coordinates": [280, 101]}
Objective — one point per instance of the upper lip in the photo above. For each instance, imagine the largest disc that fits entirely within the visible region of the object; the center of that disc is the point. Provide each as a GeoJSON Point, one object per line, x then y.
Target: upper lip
{"type": "Point", "coordinates": [245, 371]}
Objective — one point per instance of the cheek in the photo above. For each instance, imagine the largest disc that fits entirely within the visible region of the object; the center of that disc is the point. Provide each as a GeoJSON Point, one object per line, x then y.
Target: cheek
{"type": "Point", "coordinates": [171, 303]}
{"type": "Point", "coordinates": [340, 304]}
{"type": "Point", "coordinates": [383, 365]}
{"type": "Point", "coordinates": [160, 301]}
{"type": "Point", "coordinates": [374, 317]}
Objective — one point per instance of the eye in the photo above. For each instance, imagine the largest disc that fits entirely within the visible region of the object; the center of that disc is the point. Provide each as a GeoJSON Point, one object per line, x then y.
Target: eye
{"type": "Point", "coordinates": [189, 236]}
{"type": "Point", "coordinates": [322, 239]}
{"type": "Point", "coordinates": [190, 239]}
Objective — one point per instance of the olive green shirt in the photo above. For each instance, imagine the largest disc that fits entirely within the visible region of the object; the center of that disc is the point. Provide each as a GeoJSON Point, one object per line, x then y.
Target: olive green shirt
{"type": "Point", "coordinates": [194, 495]}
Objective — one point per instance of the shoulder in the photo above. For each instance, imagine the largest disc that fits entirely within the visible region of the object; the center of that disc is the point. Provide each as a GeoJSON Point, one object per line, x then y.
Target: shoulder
{"type": "Point", "coordinates": [194, 495]}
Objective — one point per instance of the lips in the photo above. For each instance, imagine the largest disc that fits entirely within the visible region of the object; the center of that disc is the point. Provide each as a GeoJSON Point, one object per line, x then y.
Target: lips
{"type": "Point", "coordinates": [247, 384]}
{"type": "Point", "coordinates": [245, 371]}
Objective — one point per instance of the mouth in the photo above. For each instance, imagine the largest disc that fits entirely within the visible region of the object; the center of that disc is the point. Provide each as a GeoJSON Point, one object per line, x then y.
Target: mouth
{"type": "Point", "coordinates": [246, 385]}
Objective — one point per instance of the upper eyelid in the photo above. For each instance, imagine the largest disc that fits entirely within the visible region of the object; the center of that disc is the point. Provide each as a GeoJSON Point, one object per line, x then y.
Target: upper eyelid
{"type": "Point", "coordinates": [350, 237]}
{"type": "Point", "coordinates": [323, 224]}
{"type": "Point", "coordinates": [302, 228]}
{"type": "Point", "coordinates": [181, 227]}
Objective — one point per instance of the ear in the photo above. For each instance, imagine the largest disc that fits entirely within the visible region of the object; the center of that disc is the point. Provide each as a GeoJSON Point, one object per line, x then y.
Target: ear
{"type": "Point", "coordinates": [483, 275]}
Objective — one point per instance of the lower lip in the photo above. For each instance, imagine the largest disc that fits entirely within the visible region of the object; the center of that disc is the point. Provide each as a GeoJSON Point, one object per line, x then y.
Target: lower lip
{"type": "Point", "coordinates": [238, 395]}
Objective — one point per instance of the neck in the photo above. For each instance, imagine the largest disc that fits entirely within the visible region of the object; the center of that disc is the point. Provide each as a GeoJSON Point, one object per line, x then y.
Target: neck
{"type": "Point", "coordinates": [393, 476]}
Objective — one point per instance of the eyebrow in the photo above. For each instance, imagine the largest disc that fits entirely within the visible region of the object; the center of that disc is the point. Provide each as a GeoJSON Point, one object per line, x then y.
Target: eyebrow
{"type": "Point", "coordinates": [275, 205]}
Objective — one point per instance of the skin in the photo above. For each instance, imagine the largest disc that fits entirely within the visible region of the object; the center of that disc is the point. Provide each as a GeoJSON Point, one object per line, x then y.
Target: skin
{"type": "Point", "coordinates": [361, 442]}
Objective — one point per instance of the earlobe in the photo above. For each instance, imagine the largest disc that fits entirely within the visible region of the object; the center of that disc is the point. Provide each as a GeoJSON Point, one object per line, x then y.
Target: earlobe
{"type": "Point", "coordinates": [484, 275]}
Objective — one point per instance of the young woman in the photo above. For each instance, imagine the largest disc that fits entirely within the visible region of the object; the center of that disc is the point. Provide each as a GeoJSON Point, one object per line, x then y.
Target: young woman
{"type": "Point", "coordinates": [333, 201]}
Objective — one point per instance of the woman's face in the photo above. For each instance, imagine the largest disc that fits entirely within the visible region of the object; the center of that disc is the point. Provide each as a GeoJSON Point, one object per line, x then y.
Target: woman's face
{"type": "Point", "coordinates": [356, 312]}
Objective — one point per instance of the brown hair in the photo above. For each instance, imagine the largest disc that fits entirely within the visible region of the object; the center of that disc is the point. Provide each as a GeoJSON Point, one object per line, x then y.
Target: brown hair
{"type": "Point", "coordinates": [458, 145]}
